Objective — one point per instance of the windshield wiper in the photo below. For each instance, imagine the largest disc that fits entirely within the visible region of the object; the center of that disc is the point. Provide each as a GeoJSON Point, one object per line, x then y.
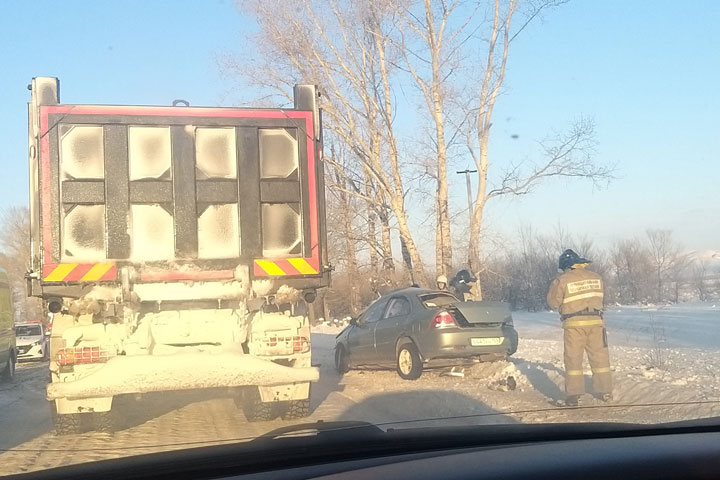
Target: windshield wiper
{"type": "Point", "coordinates": [324, 431]}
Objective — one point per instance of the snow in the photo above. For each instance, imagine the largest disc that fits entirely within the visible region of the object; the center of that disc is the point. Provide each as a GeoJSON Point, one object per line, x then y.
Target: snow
{"type": "Point", "coordinates": [148, 152]}
{"type": "Point", "coordinates": [684, 325]}
{"type": "Point", "coordinates": [281, 229]}
{"type": "Point", "coordinates": [82, 153]}
{"type": "Point", "coordinates": [215, 152]}
{"type": "Point", "coordinates": [84, 233]}
{"type": "Point", "coordinates": [278, 153]}
{"type": "Point", "coordinates": [142, 374]}
{"type": "Point", "coordinates": [668, 355]}
{"type": "Point", "coordinates": [218, 232]}
{"type": "Point", "coordinates": [153, 235]}
{"type": "Point", "coordinates": [190, 290]}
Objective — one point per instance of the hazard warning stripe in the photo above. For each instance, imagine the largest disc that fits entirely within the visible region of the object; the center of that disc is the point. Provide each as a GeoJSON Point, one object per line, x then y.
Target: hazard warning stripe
{"type": "Point", "coordinates": [270, 268]}
{"type": "Point", "coordinates": [79, 272]}
{"type": "Point", "coordinates": [285, 267]}
{"type": "Point", "coordinates": [302, 266]}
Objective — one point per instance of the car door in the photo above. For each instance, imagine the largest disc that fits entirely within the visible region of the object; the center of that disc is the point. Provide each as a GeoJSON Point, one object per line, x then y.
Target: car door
{"type": "Point", "coordinates": [361, 338]}
{"type": "Point", "coordinates": [7, 328]}
{"type": "Point", "coordinates": [393, 323]}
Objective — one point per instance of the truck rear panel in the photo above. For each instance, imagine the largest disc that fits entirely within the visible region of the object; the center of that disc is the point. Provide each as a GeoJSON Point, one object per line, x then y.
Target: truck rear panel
{"type": "Point", "coordinates": [177, 193]}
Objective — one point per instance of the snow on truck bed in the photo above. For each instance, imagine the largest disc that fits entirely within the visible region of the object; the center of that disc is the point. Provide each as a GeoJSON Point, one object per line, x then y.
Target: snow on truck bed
{"type": "Point", "coordinates": [664, 355]}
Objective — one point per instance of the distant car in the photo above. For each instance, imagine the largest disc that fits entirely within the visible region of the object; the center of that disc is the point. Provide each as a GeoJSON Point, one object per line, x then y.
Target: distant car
{"type": "Point", "coordinates": [32, 343]}
{"type": "Point", "coordinates": [8, 352]}
{"type": "Point", "coordinates": [412, 328]}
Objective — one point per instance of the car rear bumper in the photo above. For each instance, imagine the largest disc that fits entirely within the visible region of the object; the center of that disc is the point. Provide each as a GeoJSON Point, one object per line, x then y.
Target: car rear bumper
{"type": "Point", "coordinates": [143, 374]}
{"type": "Point", "coordinates": [457, 343]}
{"type": "Point", "coordinates": [34, 352]}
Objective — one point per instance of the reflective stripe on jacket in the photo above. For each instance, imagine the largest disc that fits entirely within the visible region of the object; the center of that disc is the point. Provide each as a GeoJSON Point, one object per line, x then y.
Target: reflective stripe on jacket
{"type": "Point", "coordinates": [575, 292]}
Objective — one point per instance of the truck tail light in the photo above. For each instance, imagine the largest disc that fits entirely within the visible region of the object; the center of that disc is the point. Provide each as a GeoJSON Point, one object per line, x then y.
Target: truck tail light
{"type": "Point", "coordinates": [78, 355]}
{"type": "Point", "coordinates": [443, 320]}
{"type": "Point", "coordinates": [299, 344]}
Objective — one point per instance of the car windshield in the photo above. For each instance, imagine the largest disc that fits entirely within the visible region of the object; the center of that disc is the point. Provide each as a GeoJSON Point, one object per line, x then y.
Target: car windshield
{"type": "Point", "coordinates": [432, 300]}
{"type": "Point", "coordinates": [235, 216]}
{"type": "Point", "coordinates": [27, 330]}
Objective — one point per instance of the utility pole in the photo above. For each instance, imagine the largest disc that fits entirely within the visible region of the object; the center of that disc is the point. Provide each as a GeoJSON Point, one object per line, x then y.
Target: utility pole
{"type": "Point", "coordinates": [467, 173]}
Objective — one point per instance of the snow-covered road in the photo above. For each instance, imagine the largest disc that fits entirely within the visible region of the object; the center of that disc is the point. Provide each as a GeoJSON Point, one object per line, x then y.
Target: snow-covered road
{"type": "Point", "coordinates": [659, 356]}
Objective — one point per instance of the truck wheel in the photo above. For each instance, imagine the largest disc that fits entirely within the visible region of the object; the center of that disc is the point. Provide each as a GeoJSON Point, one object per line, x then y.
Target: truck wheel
{"type": "Point", "coordinates": [341, 360]}
{"type": "Point", "coordinates": [296, 409]}
{"type": "Point", "coordinates": [256, 410]}
{"type": "Point", "coordinates": [65, 424]}
{"type": "Point", "coordinates": [8, 374]}
{"type": "Point", "coordinates": [409, 364]}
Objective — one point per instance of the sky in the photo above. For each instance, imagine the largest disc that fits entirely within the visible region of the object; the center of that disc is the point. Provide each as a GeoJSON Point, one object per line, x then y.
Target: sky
{"type": "Point", "coordinates": [645, 71]}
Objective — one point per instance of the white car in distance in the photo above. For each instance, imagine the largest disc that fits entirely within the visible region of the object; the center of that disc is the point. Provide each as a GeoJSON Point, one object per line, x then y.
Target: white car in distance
{"type": "Point", "coordinates": [32, 343]}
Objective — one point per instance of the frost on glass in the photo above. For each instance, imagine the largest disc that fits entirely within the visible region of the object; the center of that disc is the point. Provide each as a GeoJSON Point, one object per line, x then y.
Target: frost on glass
{"type": "Point", "coordinates": [278, 153]}
{"type": "Point", "coordinates": [218, 232]}
{"type": "Point", "coordinates": [215, 152]}
{"type": "Point", "coordinates": [82, 153]}
{"type": "Point", "coordinates": [281, 229]}
{"type": "Point", "coordinates": [83, 234]}
{"type": "Point", "coordinates": [153, 235]}
{"type": "Point", "coordinates": [148, 152]}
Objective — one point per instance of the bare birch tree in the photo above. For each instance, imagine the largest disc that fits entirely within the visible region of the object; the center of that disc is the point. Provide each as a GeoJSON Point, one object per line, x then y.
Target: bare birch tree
{"type": "Point", "coordinates": [342, 47]}
{"type": "Point", "coordinates": [15, 258]}
{"type": "Point", "coordinates": [427, 40]}
{"type": "Point", "coordinates": [668, 260]}
{"type": "Point", "coordinates": [565, 155]}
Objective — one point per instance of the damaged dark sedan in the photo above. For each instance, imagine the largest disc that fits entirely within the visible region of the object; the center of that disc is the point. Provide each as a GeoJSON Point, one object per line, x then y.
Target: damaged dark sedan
{"type": "Point", "coordinates": [413, 328]}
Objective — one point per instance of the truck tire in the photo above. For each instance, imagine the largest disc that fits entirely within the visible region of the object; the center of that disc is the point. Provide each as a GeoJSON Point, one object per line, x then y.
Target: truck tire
{"type": "Point", "coordinates": [65, 424]}
{"type": "Point", "coordinates": [409, 364]}
{"type": "Point", "coordinates": [103, 421]}
{"type": "Point", "coordinates": [255, 409]}
{"type": "Point", "coordinates": [341, 360]}
{"type": "Point", "coordinates": [8, 375]}
{"type": "Point", "coordinates": [295, 409]}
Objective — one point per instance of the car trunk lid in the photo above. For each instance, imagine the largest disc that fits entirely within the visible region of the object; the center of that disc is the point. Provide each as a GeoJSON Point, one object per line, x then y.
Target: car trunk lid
{"type": "Point", "coordinates": [481, 314]}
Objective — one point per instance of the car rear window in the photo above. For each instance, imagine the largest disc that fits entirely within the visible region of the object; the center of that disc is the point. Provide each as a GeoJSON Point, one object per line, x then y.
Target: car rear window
{"type": "Point", "coordinates": [24, 330]}
{"type": "Point", "coordinates": [432, 300]}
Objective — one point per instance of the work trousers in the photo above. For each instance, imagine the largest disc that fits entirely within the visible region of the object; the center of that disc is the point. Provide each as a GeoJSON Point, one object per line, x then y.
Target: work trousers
{"type": "Point", "coordinates": [593, 340]}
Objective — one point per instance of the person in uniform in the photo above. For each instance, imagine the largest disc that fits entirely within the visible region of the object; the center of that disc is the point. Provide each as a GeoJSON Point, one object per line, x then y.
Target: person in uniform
{"type": "Point", "coordinates": [465, 286]}
{"type": "Point", "coordinates": [577, 294]}
{"type": "Point", "coordinates": [442, 282]}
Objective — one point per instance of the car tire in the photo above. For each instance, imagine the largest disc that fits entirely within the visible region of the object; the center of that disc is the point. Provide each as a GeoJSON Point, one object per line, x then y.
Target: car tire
{"type": "Point", "coordinates": [409, 363]}
{"type": "Point", "coordinates": [295, 409]}
{"type": "Point", "coordinates": [8, 374]}
{"type": "Point", "coordinates": [341, 360]}
{"type": "Point", "coordinates": [255, 409]}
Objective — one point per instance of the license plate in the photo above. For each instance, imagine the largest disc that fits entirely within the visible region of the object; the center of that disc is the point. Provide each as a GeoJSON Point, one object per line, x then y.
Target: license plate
{"type": "Point", "coordinates": [484, 342]}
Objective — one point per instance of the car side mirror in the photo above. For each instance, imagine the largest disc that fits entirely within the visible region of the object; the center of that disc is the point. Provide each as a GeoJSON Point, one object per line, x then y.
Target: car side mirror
{"type": "Point", "coordinates": [353, 321]}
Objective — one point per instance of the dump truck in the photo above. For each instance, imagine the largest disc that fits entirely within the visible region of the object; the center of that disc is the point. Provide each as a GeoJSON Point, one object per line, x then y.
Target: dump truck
{"type": "Point", "coordinates": [177, 248]}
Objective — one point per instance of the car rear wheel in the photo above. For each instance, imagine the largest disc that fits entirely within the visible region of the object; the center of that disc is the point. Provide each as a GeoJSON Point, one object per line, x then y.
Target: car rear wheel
{"type": "Point", "coordinates": [341, 360]}
{"type": "Point", "coordinates": [8, 374]}
{"type": "Point", "coordinates": [409, 364]}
